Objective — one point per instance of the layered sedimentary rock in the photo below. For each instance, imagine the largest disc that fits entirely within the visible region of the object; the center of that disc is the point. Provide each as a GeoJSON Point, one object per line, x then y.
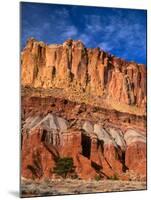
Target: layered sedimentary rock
{"type": "Point", "coordinates": [82, 103]}
{"type": "Point", "coordinates": [73, 67]}
{"type": "Point", "coordinates": [135, 157]}
{"type": "Point", "coordinates": [98, 147]}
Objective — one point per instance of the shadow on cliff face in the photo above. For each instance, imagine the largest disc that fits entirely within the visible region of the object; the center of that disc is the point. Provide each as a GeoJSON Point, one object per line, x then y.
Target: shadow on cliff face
{"type": "Point", "coordinates": [86, 146]}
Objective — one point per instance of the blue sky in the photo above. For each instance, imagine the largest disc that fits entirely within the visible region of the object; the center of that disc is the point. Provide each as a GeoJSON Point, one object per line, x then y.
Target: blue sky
{"type": "Point", "coordinates": [122, 32]}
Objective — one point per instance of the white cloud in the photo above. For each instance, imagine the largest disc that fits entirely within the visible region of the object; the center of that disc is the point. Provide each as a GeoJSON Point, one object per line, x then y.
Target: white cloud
{"type": "Point", "coordinates": [115, 33]}
{"type": "Point", "coordinates": [106, 46]}
{"type": "Point", "coordinates": [70, 32]}
{"type": "Point", "coordinates": [85, 38]}
{"type": "Point", "coordinates": [92, 23]}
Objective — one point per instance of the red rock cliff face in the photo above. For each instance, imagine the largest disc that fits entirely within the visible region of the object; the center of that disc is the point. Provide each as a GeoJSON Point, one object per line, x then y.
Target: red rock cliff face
{"type": "Point", "coordinates": [74, 67]}
{"type": "Point", "coordinates": [104, 148]}
{"type": "Point", "coordinates": [102, 141]}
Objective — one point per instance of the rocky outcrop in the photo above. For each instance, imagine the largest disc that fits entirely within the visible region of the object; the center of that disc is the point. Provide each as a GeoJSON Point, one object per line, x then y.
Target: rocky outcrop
{"type": "Point", "coordinates": [96, 149]}
{"type": "Point", "coordinates": [82, 103]}
{"type": "Point", "coordinates": [135, 156]}
{"type": "Point", "coordinates": [75, 68]}
{"type": "Point", "coordinates": [37, 160]}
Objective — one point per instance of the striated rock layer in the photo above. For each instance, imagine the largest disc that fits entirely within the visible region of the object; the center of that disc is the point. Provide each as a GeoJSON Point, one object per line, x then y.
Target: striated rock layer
{"type": "Point", "coordinates": [90, 71]}
{"type": "Point", "coordinates": [111, 146]}
{"type": "Point", "coordinates": [82, 103]}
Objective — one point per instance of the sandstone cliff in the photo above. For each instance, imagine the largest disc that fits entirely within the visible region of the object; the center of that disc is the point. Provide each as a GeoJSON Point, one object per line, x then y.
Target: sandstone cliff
{"type": "Point", "coordinates": [90, 72]}
{"type": "Point", "coordinates": [82, 103]}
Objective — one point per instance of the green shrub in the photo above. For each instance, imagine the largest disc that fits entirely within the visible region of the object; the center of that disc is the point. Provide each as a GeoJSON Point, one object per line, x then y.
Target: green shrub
{"type": "Point", "coordinates": [64, 166]}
